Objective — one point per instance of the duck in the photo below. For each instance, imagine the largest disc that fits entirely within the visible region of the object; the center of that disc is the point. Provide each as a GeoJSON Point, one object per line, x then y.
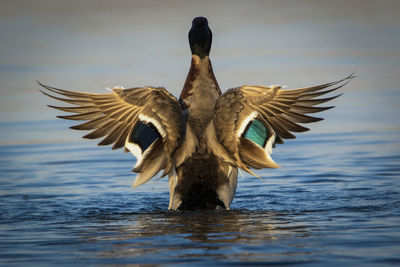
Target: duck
{"type": "Point", "coordinates": [202, 139]}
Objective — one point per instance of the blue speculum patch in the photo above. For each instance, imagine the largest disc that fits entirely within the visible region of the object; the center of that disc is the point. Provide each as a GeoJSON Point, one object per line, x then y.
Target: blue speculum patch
{"type": "Point", "coordinates": [256, 132]}
{"type": "Point", "coordinates": [144, 134]}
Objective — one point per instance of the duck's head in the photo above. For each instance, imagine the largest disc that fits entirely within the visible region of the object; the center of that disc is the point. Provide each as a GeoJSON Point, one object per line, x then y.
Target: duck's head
{"type": "Point", "coordinates": [200, 37]}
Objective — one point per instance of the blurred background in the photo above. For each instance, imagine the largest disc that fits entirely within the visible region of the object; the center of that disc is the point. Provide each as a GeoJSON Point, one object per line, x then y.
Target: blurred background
{"type": "Point", "coordinates": [90, 45]}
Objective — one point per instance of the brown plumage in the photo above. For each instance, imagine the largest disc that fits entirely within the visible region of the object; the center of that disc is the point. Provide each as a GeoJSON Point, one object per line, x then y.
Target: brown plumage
{"type": "Point", "coordinates": [201, 140]}
{"type": "Point", "coordinates": [113, 116]}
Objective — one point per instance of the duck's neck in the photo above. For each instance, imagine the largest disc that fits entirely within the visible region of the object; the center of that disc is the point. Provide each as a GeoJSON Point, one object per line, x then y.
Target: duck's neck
{"type": "Point", "coordinates": [200, 92]}
{"type": "Point", "coordinates": [200, 76]}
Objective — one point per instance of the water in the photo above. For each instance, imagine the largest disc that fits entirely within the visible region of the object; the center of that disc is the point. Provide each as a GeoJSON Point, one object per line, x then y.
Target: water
{"type": "Point", "coordinates": [336, 199]}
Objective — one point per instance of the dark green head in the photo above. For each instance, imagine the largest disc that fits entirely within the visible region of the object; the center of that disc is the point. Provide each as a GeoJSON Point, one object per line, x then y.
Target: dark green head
{"type": "Point", "coordinates": [200, 37]}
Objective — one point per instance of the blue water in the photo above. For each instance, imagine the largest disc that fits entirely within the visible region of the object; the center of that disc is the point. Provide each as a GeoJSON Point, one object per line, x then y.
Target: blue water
{"type": "Point", "coordinates": [335, 200]}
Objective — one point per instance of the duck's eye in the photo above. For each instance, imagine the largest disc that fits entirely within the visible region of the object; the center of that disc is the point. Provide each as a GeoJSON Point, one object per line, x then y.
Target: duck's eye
{"type": "Point", "coordinates": [144, 134]}
{"type": "Point", "coordinates": [257, 133]}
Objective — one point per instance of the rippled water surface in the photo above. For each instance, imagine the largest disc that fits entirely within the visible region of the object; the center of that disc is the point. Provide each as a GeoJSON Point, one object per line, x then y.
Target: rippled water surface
{"type": "Point", "coordinates": [336, 199]}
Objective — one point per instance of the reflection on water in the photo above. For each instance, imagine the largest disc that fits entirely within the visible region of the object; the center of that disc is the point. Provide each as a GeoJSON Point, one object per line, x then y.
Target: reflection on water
{"type": "Point", "coordinates": [221, 235]}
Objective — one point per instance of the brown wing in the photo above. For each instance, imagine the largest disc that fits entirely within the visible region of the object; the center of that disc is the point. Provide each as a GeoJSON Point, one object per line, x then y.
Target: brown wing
{"type": "Point", "coordinates": [249, 120]}
{"type": "Point", "coordinates": [145, 120]}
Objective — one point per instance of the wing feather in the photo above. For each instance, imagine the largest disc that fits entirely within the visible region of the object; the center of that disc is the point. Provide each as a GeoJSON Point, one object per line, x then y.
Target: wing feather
{"type": "Point", "coordinates": [114, 116]}
{"type": "Point", "coordinates": [305, 109]}
{"type": "Point", "coordinates": [112, 137]}
{"type": "Point", "coordinates": [289, 125]}
{"type": "Point", "coordinates": [103, 130]}
{"type": "Point", "coordinates": [79, 109]}
{"type": "Point", "coordinates": [300, 118]}
{"type": "Point", "coordinates": [246, 115]}
{"type": "Point", "coordinates": [90, 125]}
{"type": "Point", "coordinates": [122, 136]}
{"type": "Point", "coordinates": [83, 116]}
{"type": "Point", "coordinates": [66, 100]}
{"type": "Point", "coordinates": [313, 102]}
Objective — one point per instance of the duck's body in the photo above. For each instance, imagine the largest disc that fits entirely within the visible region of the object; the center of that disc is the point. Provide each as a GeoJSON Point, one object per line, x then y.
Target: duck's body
{"type": "Point", "coordinates": [205, 181]}
{"type": "Point", "coordinates": [202, 139]}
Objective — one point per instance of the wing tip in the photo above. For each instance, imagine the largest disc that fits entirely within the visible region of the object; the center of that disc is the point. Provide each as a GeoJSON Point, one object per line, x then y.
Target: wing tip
{"type": "Point", "coordinates": [352, 75]}
{"type": "Point", "coordinates": [39, 83]}
{"type": "Point", "coordinates": [64, 117]}
{"type": "Point", "coordinates": [75, 127]}
{"type": "Point", "coordinates": [138, 181]}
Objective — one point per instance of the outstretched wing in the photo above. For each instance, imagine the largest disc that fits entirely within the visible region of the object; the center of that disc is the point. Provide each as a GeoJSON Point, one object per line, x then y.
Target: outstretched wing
{"type": "Point", "coordinates": [146, 121]}
{"type": "Point", "coordinates": [249, 120]}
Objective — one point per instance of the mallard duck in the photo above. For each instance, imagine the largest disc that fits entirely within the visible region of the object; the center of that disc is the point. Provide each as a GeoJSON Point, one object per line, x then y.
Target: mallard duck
{"type": "Point", "coordinates": [201, 139]}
